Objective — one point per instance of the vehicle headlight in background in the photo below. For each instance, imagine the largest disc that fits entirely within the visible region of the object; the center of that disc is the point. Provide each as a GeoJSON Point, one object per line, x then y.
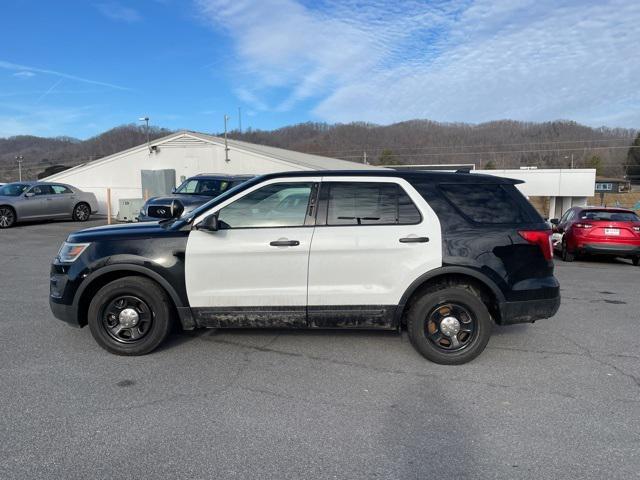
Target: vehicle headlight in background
{"type": "Point", "coordinates": [69, 252]}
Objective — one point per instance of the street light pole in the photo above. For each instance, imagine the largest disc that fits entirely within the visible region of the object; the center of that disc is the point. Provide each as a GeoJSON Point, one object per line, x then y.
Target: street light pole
{"type": "Point", "coordinates": [19, 158]}
{"type": "Point", "coordinates": [146, 120]}
{"type": "Point", "coordinates": [226, 146]}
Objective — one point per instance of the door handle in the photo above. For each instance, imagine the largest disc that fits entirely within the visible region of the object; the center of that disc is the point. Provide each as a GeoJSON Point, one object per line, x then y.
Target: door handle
{"type": "Point", "coordinates": [284, 243]}
{"type": "Point", "coordinates": [414, 240]}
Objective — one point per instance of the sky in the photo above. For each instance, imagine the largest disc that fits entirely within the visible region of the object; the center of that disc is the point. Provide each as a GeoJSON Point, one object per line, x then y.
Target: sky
{"type": "Point", "coordinates": [77, 68]}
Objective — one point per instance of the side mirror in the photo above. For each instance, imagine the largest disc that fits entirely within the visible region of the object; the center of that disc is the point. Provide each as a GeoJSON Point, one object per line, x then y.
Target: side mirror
{"type": "Point", "coordinates": [29, 194]}
{"type": "Point", "coordinates": [173, 190]}
{"type": "Point", "coordinates": [177, 208]}
{"type": "Point", "coordinates": [554, 221]}
{"type": "Point", "coordinates": [209, 223]}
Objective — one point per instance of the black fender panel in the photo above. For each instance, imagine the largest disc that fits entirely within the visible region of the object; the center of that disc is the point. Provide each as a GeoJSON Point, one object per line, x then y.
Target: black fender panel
{"type": "Point", "coordinates": [182, 307]}
{"type": "Point", "coordinates": [447, 270]}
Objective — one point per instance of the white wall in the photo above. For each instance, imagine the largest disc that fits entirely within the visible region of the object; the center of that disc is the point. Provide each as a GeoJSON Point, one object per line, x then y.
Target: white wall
{"type": "Point", "coordinates": [547, 182]}
{"type": "Point", "coordinates": [122, 172]}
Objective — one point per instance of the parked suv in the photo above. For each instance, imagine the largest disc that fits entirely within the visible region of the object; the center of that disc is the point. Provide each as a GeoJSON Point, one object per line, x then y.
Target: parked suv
{"type": "Point", "coordinates": [192, 193]}
{"type": "Point", "coordinates": [444, 254]}
{"type": "Point", "coordinates": [598, 231]}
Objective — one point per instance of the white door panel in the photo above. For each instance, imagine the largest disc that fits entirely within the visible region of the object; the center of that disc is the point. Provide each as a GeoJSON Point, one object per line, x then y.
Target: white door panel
{"type": "Point", "coordinates": [239, 268]}
{"type": "Point", "coordinates": [367, 264]}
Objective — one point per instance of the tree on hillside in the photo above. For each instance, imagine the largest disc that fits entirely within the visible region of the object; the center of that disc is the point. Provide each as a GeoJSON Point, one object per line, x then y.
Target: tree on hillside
{"type": "Point", "coordinates": [387, 158]}
{"type": "Point", "coordinates": [633, 158]}
{"type": "Point", "coordinates": [595, 162]}
{"type": "Point", "coordinates": [490, 165]}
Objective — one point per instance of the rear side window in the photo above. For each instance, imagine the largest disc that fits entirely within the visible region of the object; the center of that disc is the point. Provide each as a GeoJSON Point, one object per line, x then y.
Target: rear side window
{"type": "Point", "coordinates": [486, 203]}
{"type": "Point", "coordinates": [364, 203]}
{"type": "Point", "coordinates": [60, 189]}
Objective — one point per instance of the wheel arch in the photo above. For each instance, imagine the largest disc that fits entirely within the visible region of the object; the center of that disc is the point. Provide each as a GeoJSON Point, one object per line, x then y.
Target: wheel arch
{"type": "Point", "coordinates": [104, 275]}
{"type": "Point", "coordinates": [490, 293]}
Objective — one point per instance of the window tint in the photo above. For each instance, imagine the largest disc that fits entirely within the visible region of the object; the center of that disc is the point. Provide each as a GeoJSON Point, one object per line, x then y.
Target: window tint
{"type": "Point", "coordinates": [609, 215]}
{"type": "Point", "coordinates": [485, 203]}
{"type": "Point", "coordinates": [369, 204]}
{"type": "Point", "coordinates": [42, 190]}
{"type": "Point", "coordinates": [209, 187]}
{"type": "Point", "coordinates": [60, 189]}
{"type": "Point", "coordinates": [276, 205]}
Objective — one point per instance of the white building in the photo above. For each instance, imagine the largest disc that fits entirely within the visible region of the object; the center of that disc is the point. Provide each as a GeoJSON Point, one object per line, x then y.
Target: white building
{"type": "Point", "coordinates": [188, 153]}
{"type": "Point", "coordinates": [565, 188]}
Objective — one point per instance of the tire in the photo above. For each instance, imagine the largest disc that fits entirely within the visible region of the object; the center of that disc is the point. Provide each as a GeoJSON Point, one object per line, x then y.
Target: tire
{"type": "Point", "coordinates": [433, 304]}
{"type": "Point", "coordinates": [81, 212]}
{"type": "Point", "coordinates": [109, 318]}
{"type": "Point", "coordinates": [7, 217]}
{"type": "Point", "coordinates": [635, 260]}
{"type": "Point", "coordinates": [566, 255]}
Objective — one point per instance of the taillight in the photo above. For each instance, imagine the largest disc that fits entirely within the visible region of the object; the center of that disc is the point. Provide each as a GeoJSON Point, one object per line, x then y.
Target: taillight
{"type": "Point", "coordinates": [582, 225]}
{"type": "Point", "coordinates": [542, 238]}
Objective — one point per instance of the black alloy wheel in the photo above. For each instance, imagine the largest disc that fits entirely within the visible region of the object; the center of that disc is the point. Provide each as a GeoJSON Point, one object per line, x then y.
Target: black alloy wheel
{"type": "Point", "coordinates": [130, 316]}
{"type": "Point", "coordinates": [449, 324]}
{"type": "Point", "coordinates": [7, 217]}
{"type": "Point", "coordinates": [81, 212]}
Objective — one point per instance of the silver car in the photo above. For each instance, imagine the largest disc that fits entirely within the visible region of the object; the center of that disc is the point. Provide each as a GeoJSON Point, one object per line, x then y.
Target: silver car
{"type": "Point", "coordinates": [20, 201]}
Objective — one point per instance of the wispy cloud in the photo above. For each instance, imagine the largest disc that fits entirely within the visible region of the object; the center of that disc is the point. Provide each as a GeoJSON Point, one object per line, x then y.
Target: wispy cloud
{"type": "Point", "coordinates": [449, 60]}
{"type": "Point", "coordinates": [118, 12]}
{"type": "Point", "coordinates": [23, 68]}
{"type": "Point", "coordinates": [24, 74]}
{"type": "Point", "coordinates": [49, 90]}
{"type": "Point", "coordinates": [16, 119]}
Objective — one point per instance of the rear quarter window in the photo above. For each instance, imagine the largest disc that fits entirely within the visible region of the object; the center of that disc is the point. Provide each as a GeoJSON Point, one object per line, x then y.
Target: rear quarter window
{"type": "Point", "coordinates": [489, 203]}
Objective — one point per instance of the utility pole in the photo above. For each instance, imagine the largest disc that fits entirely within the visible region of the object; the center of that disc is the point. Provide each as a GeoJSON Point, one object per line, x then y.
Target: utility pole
{"type": "Point", "coordinates": [364, 158]}
{"type": "Point", "coordinates": [146, 120]}
{"type": "Point", "coordinates": [239, 120]}
{"type": "Point", "coordinates": [226, 146]}
{"type": "Point", "coordinates": [19, 159]}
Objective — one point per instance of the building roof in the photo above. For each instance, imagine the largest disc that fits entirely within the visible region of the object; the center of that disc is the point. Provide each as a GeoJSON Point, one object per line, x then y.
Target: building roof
{"type": "Point", "coordinates": [304, 160]}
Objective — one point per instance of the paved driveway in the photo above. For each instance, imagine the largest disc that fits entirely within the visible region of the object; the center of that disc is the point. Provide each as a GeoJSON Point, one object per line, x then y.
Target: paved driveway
{"type": "Point", "coordinates": [558, 399]}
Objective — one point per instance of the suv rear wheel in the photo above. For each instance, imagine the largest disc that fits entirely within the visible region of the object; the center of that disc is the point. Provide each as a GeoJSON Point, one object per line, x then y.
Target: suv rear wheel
{"type": "Point", "coordinates": [449, 325]}
{"type": "Point", "coordinates": [130, 316]}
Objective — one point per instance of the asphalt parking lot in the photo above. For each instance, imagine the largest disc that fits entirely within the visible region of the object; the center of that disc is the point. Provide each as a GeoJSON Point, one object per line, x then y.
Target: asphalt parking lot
{"type": "Point", "coordinates": [557, 399]}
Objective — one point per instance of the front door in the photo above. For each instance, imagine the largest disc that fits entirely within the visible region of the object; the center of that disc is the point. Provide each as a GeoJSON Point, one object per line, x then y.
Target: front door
{"type": "Point", "coordinates": [373, 238]}
{"type": "Point", "coordinates": [253, 270]}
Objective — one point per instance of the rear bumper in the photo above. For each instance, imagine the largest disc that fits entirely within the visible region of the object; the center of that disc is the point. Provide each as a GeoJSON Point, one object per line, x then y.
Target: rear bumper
{"type": "Point", "coordinates": [610, 249]}
{"type": "Point", "coordinates": [527, 311]}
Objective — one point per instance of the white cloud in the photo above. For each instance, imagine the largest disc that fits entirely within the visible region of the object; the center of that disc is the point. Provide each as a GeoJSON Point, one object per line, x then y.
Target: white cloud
{"type": "Point", "coordinates": [118, 12]}
{"type": "Point", "coordinates": [24, 74]}
{"type": "Point", "coordinates": [21, 119]}
{"type": "Point", "coordinates": [449, 60]}
{"type": "Point", "coordinates": [33, 70]}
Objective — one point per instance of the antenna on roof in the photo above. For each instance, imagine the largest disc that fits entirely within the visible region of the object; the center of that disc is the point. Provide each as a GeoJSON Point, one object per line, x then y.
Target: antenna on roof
{"type": "Point", "coordinates": [226, 146]}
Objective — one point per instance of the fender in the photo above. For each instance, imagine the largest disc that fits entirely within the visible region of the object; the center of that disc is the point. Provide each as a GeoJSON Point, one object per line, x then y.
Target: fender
{"type": "Point", "coordinates": [482, 278]}
{"type": "Point", "coordinates": [182, 307]}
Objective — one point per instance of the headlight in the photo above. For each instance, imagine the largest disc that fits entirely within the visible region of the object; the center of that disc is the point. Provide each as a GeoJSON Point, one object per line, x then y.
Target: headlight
{"type": "Point", "coordinates": [69, 252]}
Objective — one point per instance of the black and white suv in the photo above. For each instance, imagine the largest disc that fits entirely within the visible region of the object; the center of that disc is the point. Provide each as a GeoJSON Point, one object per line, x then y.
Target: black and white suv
{"type": "Point", "coordinates": [444, 254]}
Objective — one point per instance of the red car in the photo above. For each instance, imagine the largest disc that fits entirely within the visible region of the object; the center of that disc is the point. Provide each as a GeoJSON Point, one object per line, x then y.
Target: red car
{"type": "Point", "coordinates": [598, 231]}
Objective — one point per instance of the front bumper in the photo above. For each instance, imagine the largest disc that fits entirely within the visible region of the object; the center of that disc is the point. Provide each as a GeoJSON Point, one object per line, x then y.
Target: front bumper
{"type": "Point", "coordinates": [63, 312]}
{"type": "Point", "coordinates": [619, 249]}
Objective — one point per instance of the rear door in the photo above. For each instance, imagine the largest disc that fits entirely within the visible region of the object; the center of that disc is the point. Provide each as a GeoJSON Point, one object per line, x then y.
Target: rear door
{"type": "Point", "coordinates": [63, 200]}
{"type": "Point", "coordinates": [373, 238]}
{"type": "Point", "coordinates": [253, 270]}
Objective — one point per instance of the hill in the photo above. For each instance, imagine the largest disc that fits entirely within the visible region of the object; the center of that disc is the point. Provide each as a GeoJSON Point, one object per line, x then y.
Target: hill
{"type": "Point", "coordinates": [499, 144]}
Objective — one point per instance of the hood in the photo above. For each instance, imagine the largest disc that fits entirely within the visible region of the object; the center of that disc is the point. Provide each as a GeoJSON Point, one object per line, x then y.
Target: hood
{"type": "Point", "coordinates": [119, 232]}
{"type": "Point", "coordinates": [187, 200]}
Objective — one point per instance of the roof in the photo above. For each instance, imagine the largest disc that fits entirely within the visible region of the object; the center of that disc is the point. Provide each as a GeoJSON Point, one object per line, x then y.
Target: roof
{"type": "Point", "coordinates": [409, 175]}
{"type": "Point", "coordinates": [304, 160]}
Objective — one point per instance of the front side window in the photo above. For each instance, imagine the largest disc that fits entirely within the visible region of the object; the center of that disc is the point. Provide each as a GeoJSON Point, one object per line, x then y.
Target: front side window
{"type": "Point", "coordinates": [208, 187]}
{"type": "Point", "coordinates": [275, 205]}
{"type": "Point", "coordinates": [42, 190]}
{"type": "Point", "coordinates": [364, 203]}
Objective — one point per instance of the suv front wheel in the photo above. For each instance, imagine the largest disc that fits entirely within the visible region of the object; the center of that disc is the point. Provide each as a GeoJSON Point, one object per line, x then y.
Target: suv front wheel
{"type": "Point", "coordinates": [449, 325]}
{"type": "Point", "coordinates": [130, 316]}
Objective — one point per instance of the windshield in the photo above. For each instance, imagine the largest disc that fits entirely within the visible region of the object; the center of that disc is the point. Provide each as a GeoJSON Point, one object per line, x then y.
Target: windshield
{"type": "Point", "coordinates": [13, 189]}
{"type": "Point", "coordinates": [609, 215]}
{"type": "Point", "coordinates": [208, 187]}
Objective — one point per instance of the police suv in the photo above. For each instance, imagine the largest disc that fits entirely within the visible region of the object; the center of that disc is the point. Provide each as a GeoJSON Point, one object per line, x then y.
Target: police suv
{"type": "Point", "coordinates": [442, 254]}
